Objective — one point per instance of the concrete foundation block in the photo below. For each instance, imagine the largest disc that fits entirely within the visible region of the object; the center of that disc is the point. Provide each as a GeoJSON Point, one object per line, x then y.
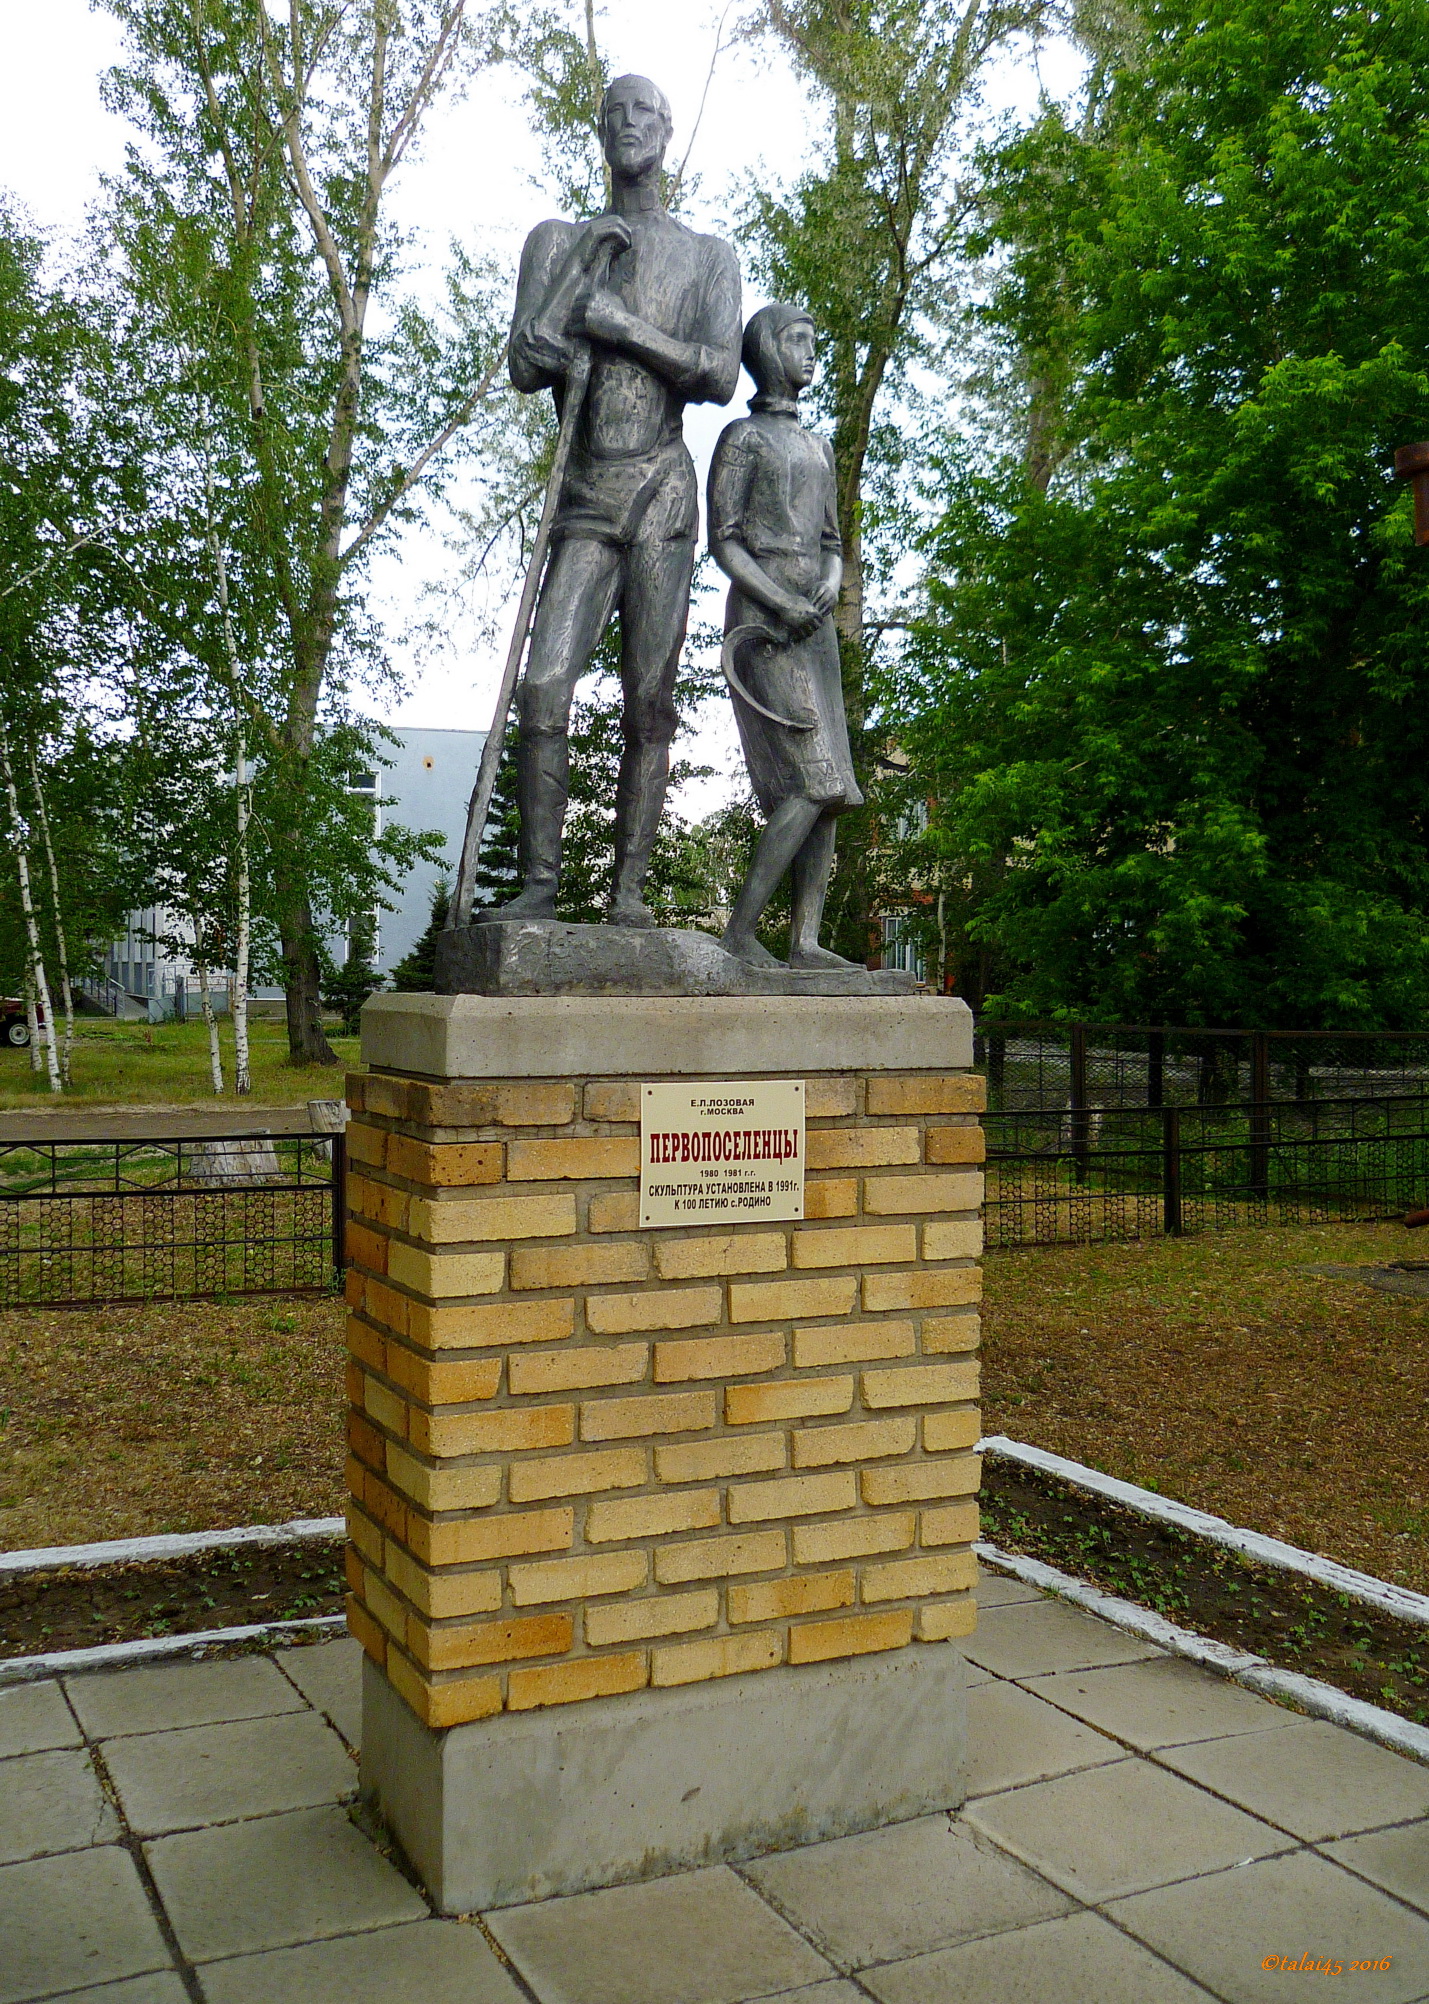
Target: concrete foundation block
{"type": "Point", "coordinates": [525, 1806]}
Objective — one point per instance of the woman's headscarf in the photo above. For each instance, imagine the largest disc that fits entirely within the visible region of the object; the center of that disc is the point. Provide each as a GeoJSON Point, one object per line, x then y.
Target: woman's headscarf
{"type": "Point", "coordinates": [761, 345]}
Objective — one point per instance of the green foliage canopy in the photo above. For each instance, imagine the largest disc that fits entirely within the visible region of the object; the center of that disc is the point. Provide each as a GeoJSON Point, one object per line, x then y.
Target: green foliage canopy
{"type": "Point", "coordinates": [1166, 694]}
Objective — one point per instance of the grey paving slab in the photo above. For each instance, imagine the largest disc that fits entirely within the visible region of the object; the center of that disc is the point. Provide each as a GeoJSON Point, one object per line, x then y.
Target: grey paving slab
{"type": "Point", "coordinates": [902, 1891]}
{"type": "Point", "coordinates": [835, 1991]}
{"type": "Point", "coordinates": [1398, 1860]}
{"type": "Point", "coordinates": [162, 1986]}
{"type": "Point", "coordinates": [212, 1774]}
{"type": "Point", "coordinates": [34, 1717]}
{"type": "Point", "coordinates": [1233, 1930]}
{"type": "Point", "coordinates": [110, 1702]}
{"type": "Point", "coordinates": [1114, 1830]}
{"type": "Point", "coordinates": [1167, 1702]}
{"type": "Point", "coordinates": [695, 1938]}
{"type": "Point", "coordinates": [423, 1962]}
{"type": "Point", "coordinates": [275, 1882]}
{"type": "Point", "coordinates": [52, 1802]}
{"type": "Point", "coordinates": [1030, 1638]}
{"type": "Point", "coordinates": [329, 1675]}
{"type": "Point", "coordinates": [1014, 1738]}
{"type": "Point", "coordinates": [1001, 1590]}
{"type": "Point", "coordinates": [71, 1921]}
{"type": "Point", "coordinates": [1079, 1960]}
{"type": "Point", "coordinates": [1312, 1778]}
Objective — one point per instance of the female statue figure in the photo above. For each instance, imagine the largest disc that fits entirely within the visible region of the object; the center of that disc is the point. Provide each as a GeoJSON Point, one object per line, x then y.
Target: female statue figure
{"type": "Point", "coordinates": [774, 533]}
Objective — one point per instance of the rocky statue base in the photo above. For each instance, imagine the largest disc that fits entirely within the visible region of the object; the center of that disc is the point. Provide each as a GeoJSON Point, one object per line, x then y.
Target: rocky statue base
{"type": "Point", "coordinates": [544, 957]}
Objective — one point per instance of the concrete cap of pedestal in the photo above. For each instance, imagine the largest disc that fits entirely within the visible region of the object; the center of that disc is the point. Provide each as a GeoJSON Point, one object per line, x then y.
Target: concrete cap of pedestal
{"type": "Point", "coordinates": [711, 1036]}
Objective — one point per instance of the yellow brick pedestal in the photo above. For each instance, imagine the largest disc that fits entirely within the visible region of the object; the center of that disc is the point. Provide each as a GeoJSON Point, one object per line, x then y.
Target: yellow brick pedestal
{"type": "Point", "coordinates": [593, 1467]}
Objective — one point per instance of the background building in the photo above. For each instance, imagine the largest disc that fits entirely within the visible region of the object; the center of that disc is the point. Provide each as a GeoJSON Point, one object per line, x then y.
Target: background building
{"type": "Point", "coordinates": [426, 786]}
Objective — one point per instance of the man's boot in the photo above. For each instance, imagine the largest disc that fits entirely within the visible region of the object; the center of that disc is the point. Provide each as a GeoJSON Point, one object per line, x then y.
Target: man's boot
{"type": "Point", "coordinates": [542, 776]}
{"type": "Point", "coordinates": [639, 803]}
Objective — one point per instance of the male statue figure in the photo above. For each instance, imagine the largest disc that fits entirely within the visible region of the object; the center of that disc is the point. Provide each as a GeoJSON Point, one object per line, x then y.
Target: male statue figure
{"type": "Point", "coordinates": [774, 532]}
{"type": "Point", "coordinates": [660, 307]}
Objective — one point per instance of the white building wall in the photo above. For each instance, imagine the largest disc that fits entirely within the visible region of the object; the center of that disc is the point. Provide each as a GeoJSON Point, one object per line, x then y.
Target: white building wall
{"type": "Point", "coordinates": [428, 783]}
{"type": "Point", "coordinates": [427, 786]}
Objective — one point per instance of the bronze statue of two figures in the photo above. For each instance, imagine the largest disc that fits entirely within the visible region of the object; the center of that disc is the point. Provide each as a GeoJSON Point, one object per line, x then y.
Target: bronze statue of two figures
{"type": "Point", "coordinates": [626, 319]}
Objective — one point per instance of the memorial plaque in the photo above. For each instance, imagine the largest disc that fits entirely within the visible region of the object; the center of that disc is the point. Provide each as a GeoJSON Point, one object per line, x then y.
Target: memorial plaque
{"type": "Point", "coordinates": [721, 1153]}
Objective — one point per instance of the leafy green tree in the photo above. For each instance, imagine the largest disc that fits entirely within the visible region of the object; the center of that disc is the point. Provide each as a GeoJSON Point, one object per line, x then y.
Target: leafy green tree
{"type": "Point", "coordinates": [416, 972]}
{"type": "Point", "coordinates": [347, 987]}
{"type": "Point", "coordinates": [497, 875]}
{"type": "Point", "coordinates": [65, 486]}
{"type": "Point", "coordinates": [869, 239]}
{"type": "Point", "coordinates": [1164, 697]}
{"type": "Point", "coordinates": [251, 248]}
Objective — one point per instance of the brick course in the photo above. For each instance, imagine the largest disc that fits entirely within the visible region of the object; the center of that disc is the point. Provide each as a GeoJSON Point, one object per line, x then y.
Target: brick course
{"type": "Point", "coordinates": [585, 1458]}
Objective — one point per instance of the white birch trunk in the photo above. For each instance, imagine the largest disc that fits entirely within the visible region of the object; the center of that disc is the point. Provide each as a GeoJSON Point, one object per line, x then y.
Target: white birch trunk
{"type": "Point", "coordinates": [32, 1017]}
{"type": "Point", "coordinates": [242, 1077]}
{"type": "Point", "coordinates": [61, 942]}
{"type": "Point", "coordinates": [38, 982]}
{"type": "Point", "coordinates": [215, 1055]}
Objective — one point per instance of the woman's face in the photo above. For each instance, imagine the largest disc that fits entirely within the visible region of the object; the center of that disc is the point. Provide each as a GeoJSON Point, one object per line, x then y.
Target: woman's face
{"type": "Point", "coordinates": [797, 349]}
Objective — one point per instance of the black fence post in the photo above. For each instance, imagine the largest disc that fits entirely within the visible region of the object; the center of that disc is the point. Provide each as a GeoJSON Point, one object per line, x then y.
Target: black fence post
{"type": "Point", "coordinates": [1156, 1068]}
{"type": "Point", "coordinates": [1081, 1132]}
{"type": "Point", "coordinates": [339, 1203]}
{"type": "Point", "coordinates": [996, 1070]}
{"type": "Point", "coordinates": [1260, 1114]}
{"type": "Point", "coordinates": [1171, 1170]}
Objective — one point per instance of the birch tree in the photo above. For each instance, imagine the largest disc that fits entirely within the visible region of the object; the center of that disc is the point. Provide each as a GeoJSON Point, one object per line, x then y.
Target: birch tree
{"type": "Point", "coordinates": [37, 987]}
{"type": "Point", "coordinates": [870, 241]}
{"type": "Point", "coordinates": [271, 146]}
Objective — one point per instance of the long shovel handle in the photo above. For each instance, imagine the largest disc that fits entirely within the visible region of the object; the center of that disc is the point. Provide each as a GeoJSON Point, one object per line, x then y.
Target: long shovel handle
{"type": "Point", "coordinates": [577, 383]}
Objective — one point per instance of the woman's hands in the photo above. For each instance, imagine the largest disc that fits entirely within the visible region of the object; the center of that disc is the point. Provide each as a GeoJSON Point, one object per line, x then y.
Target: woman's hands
{"type": "Point", "coordinates": [803, 614]}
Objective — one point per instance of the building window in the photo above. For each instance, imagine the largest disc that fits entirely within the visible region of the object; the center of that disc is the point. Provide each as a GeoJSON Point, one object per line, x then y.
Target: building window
{"type": "Point", "coordinates": [900, 952]}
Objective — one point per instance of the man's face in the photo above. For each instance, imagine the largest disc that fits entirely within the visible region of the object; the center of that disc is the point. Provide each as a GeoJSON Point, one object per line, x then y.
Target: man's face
{"type": "Point", "coordinates": [636, 129]}
{"type": "Point", "coordinates": [797, 349]}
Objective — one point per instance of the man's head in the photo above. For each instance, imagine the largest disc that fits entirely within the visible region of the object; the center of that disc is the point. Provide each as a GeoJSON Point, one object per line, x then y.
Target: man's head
{"type": "Point", "coordinates": [635, 127]}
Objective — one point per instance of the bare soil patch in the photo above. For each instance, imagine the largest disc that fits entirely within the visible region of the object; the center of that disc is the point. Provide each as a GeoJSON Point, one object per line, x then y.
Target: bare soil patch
{"type": "Point", "coordinates": [1294, 1623]}
{"type": "Point", "coordinates": [80, 1610]}
{"type": "Point", "coordinates": [1228, 1372]}
{"type": "Point", "coordinates": [171, 1416]}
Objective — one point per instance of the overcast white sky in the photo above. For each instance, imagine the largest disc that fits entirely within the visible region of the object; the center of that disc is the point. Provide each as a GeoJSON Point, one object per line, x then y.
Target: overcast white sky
{"type": "Point", "coordinates": [472, 180]}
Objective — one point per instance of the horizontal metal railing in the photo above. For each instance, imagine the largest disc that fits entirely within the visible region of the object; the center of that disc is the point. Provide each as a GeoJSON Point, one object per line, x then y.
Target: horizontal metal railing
{"type": "Point", "coordinates": [95, 1219]}
{"type": "Point", "coordinates": [1101, 1173]}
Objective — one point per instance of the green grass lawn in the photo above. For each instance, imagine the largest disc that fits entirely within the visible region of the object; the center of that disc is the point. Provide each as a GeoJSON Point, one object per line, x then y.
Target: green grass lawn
{"type": "Point", "coordinates": [166, 1064]}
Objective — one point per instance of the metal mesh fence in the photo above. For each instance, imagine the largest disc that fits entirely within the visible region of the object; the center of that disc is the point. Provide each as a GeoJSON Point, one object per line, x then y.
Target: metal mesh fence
{"type": "Point", "coordinates": [1036, 1067]}
{"type": "Point", "coordinates": [1081, 1174]}
{"type": "Point", "coordinates": [98, 1220]}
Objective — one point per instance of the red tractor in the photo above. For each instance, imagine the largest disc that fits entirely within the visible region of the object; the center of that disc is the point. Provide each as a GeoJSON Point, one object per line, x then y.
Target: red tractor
{"type": "Point", "coordinates": [14, 1024]}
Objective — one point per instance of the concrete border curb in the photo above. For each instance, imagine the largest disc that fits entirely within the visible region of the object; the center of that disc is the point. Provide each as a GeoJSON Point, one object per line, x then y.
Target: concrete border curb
{"type": "Point", "coordinates": [171, 1545]}
{"type": "Point", "coordinates": [1306, 1694]}
{"type": "Point", "coordinates": [152, 1648]}
{"type": "Point", "coordinates": [1401, 1602]}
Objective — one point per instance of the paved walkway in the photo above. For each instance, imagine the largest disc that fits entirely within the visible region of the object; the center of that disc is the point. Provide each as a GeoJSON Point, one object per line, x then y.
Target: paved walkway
{"type": "Point", "coordinates": [1137, 1832]}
